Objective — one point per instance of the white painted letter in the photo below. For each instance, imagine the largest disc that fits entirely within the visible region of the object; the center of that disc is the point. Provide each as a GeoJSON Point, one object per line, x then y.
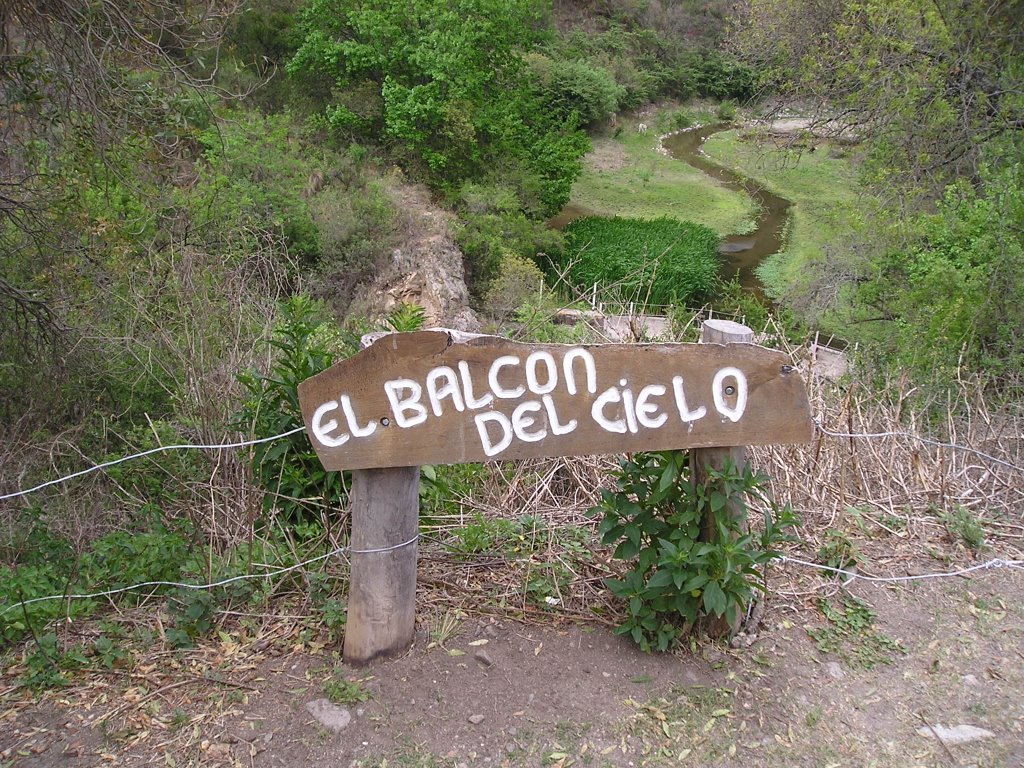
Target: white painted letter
{"type": "Point", "coordinates": [733, 414]}
{"type": "Point", "coordinates": [492, 449]}
{"type": "Point", "coordinates": [685, 414]}
{"type": "Point", "coordinates": [492, 377]}
{"type": "Point", "coordinates": [350, 417]}
{"type": "Point", "coordinates": [321, 431]}
{"type": "Point", "coordinates": [522, 421]}
{"type": "Point", "coordinates": [531, 373]}
{"type": "Point", "coordinates": [450, 388]}
{"type": "Point", "coordinates": [647, 413]}
{"type": "Point", "coordinates": [411, 403]}
{"type": "Point", "coordinates": [467, 386]}
{"type": "Point", "coordinates": [588, 364]}
{"type": "Point", "coordinates": [629, 406]}
{"type": "Point", "coordinates": [610, 395]}
{"type": "Point", "coordinates": [556, 428]}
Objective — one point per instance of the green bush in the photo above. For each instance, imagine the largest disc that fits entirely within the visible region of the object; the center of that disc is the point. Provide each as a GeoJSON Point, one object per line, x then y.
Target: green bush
{"type": "Point", "coordinates": [650, 261]}
{"type": "Point", "coordinates": [48, 567]}
{"type": "Point", "coordinates": [577, 88]}
{"type": "Point", "coordinates": [677, 574]}
{"type": "Point", "coordinates": [519, 280]}
{"type": "Point", "coordinates": [492, 225]}
{"type": "Point", "coordinates": [288, 469]}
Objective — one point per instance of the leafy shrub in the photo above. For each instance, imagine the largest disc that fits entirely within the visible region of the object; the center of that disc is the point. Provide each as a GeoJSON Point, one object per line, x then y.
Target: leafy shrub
{"type": "Point", "coordinates": [649, 261]}
{"type": "Point", "coordinates": [965, 526]}
{"type": "Point", "coordinates": [723, 77]}
{"type": "Point", "coordinates": [355, 229]}
{"type": "Point", "coordinates": [675, 120]}
{"type": "Point", "coordinates": [655, 518]}
{"type": "Point", "coordinates": [119, 559]}
{"type": "Point", "coordinates": [519, 280]}
{"type": "Point", "coordinates": [288, 469]}
{"type": "Point", "coordinates": [726, 111]}
{"type": "Point", "coordinates": [577, 88]}
{"type": "Point", "coordinates": [254, 171]}
{"type": "Point", "coordinates": [454, 94]}
{"type": "Point", "coordinates": [406, 318]}
{"type": "Point", "coordinates": [492, 226]}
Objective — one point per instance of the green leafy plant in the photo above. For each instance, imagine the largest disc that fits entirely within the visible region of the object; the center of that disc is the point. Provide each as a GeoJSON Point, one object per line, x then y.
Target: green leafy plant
{"type": "Point", "coordinates": [406, 317]}
{"type": "Point", "coordinates": [678, 574]}
{"type": "Point", "coordinates": [46, 662]}
{"type": "Point", "coordinates": [288, 469]}
{"type": "Point", "coordinates": [965, 526]}
{"type": "Point", "coordinates": [649, 261]}
{"type": "Point", "coordinates": [852, 635]}
{"type": "Point", "coordinates": [482, 534]}
{"type": "Point", "coordinates": [334, 615]}
{"type": "Point", "coordinates": [342, 691]}
{"type": "Point", "coordinates": [838, 551]}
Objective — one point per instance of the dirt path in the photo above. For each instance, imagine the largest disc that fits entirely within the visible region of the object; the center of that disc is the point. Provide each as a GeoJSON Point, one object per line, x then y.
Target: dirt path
{"type": "Point", "coordinates": [494, 692]}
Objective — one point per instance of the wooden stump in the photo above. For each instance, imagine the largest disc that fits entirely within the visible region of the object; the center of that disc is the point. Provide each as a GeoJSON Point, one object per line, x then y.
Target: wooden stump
{"type": "Point", "coordinates": [382, 586]}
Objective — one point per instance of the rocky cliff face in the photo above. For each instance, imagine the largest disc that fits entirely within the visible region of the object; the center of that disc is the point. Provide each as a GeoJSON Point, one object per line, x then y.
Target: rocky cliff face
{"type": "Point", "coordinates": [424, 269]}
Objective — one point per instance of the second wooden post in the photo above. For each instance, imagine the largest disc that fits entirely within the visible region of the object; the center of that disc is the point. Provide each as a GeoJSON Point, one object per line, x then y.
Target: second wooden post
{"type": "Point", "coordinates": [703, 459]}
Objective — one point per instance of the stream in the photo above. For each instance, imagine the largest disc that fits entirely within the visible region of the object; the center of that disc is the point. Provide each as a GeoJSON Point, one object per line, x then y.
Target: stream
{"type": "Point", "coordinates": [741, 253]}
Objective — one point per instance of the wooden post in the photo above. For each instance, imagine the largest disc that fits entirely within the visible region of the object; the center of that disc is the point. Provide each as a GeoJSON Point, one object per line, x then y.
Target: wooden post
{"type": "Point", "coordinates": [703, 459]}
{"type": "Point", "coordinates": [382, 585]}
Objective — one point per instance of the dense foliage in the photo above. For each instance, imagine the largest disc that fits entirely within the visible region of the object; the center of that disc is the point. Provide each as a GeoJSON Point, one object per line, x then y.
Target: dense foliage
{"type": "Point", "coordinates": [690, 551]}
{"type": "Point", "coordinates": [952, 296]}
{"type": "Point", "coordinates": [445, 83]}
{"type": "Point", "coordinates": [653, 262]}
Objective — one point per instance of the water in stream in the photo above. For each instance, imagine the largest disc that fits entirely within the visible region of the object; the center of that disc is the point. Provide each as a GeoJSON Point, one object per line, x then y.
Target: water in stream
{"type": "Point", "coordinates": [741, 253]}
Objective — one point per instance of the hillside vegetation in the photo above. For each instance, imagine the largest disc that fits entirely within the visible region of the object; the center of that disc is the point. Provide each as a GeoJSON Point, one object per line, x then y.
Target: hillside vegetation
{"type": "Point", "coordinates": [204, 204]}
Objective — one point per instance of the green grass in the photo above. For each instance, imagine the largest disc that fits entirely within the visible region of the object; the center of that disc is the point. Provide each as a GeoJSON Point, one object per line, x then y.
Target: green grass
{"type": "Point", "coordinates": [828, 202]}
{"type": "Point", "coordinates": [651, 185]}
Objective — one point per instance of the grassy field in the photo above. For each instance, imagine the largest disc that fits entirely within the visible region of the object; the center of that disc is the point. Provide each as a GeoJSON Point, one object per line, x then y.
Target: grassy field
{"type": "Point", "coordinates": [626, 176]}
{"type": "Point", "coordinates": [828, 204]}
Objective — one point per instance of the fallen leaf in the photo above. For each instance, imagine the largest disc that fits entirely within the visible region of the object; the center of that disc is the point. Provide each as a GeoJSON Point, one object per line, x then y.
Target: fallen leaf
{"type": "Point", "coordinates": [478, 642]}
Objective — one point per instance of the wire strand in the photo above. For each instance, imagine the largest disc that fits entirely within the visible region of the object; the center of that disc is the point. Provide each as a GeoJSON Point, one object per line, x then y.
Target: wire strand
{"type": "Point", "coordinates": [925, 440]}
{"type": "Point", "coordinates": [160, 449]}
{"type": "Point", "coordinates": [853, 575]}
{"type": "Point", "coordinates": [213, 585]}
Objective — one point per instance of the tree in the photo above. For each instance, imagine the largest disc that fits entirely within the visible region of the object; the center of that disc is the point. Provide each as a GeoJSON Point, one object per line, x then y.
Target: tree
{"type": "Point", "coordinates": [443, 82]}
{"type": "Point", "coordinates": [932, 85]}
{"type": "Point", "coordinates": [953, 295]}
{"type": "Point", "coordinates": [71, 81]}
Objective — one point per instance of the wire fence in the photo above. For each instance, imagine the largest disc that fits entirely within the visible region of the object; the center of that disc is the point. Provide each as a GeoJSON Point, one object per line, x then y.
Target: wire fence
{"type": "Point", "coordinates": [849, 575]}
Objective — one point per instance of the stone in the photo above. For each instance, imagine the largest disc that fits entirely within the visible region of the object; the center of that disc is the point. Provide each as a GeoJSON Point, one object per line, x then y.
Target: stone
{"type": "Point", "coordinates": [476, 719]}
{"type": "Point", "coordinates": [329, 715]}
{"type": "Point", "coordinates": [483, 657]}
{"type": "Point", "coordinates": [969, 680]}
{"type": "Point", "coordinates": [834, 670]}
{"type": "Point", "coordinates": [959, 734]}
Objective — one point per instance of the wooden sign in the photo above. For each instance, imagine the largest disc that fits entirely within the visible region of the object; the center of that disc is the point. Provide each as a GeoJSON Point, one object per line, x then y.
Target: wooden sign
{"type": "Point", "coordinates": [430, 398]}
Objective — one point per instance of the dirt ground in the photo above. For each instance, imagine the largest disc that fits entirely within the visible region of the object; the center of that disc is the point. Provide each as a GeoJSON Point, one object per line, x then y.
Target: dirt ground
{"type": "Point", "coordinates": [486, 691]}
